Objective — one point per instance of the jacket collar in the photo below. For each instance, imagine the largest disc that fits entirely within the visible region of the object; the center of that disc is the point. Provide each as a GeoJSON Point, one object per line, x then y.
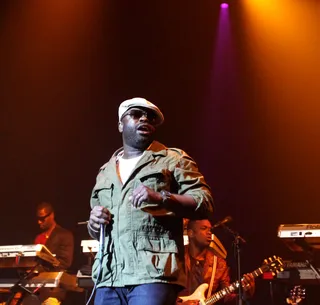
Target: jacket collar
{"type": "Point", "coordinates": [155, 149]}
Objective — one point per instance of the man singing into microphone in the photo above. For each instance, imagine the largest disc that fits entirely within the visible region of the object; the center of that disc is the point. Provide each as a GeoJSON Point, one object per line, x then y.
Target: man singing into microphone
{"type": "Point", "coordinates": [204, 265]}
{"type": "Point", "coordinates": [143, 257]}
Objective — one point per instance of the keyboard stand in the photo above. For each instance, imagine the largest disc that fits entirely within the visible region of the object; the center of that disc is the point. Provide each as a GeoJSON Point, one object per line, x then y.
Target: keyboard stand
{"type": "Point", "coordinates": [20, 288]}
{"type": "Point", "coordinates": [314, 269]}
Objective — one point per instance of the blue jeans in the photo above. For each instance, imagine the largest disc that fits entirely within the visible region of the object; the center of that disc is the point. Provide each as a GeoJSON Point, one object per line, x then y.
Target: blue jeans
{"type": "Point", "coordinates": [145, 294]}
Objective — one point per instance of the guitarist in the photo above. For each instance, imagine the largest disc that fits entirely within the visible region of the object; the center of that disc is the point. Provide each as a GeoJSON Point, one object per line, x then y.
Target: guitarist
{"type": "Point", "coordinates": [201, 261]}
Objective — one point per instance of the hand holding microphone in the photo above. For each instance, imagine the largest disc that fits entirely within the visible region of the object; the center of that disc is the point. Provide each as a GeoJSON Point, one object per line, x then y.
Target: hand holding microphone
{"type": "Point", "coordinates": [99, 216]}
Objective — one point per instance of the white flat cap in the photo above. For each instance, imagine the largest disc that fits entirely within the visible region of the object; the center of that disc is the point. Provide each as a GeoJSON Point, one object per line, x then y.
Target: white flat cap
{"type": "Point", "coordinates": [140, 102]}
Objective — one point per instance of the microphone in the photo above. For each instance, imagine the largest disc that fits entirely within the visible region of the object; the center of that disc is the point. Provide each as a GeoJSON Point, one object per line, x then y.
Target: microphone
{"type": "Point", "coordinates": [101, 240]}
{"type": "Point", "coordinates": [222, 222]}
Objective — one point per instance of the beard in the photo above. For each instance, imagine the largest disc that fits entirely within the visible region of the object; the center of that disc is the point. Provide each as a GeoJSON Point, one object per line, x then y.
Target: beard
{"type": "Point", "coordinates": [138, 141]}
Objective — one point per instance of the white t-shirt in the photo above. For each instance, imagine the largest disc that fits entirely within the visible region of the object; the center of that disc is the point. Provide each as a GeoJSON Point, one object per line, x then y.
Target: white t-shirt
{"type": "Point", "coordinates": [126, 166]}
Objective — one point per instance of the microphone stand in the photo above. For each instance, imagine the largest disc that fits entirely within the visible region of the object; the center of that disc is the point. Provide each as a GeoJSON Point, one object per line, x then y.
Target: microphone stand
{"type": "Point", "coordinates": [238, 240]}
{"type": "Point", "coordinates": [309, 251]}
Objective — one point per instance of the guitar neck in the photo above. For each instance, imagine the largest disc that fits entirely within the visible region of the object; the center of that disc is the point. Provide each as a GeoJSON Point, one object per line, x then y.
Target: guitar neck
{"type": "Point", "coordinates": [229, 289]}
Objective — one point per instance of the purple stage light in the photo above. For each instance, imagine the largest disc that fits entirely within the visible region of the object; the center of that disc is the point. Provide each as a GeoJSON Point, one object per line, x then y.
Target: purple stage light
{"type": "Point", "coordinates": [224, 5]}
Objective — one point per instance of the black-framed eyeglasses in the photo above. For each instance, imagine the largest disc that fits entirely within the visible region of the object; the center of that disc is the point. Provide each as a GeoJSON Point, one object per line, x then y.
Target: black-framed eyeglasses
{"type": "Point", "coordinates": [43, 218]}
{"type": "Point", "coordinates": [138, 113]}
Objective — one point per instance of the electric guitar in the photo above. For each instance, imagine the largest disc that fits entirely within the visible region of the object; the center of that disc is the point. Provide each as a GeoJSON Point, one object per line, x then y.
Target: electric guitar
{"type": "Point", "coordinates": [273, 264]}
{"type": "Point", "coordinates": [297, 294]}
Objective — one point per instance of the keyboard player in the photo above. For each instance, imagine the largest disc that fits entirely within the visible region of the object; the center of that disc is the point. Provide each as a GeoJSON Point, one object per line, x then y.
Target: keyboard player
{"type": "Point", "coordinates": [60, 242]}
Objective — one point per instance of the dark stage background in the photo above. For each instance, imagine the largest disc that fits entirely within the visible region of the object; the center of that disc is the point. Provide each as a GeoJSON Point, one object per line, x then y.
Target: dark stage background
{"type": "Point", "coordinates": [239, 90]}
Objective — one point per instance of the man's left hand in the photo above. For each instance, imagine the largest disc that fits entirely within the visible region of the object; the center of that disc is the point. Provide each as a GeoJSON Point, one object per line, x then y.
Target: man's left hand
{"type": "Point", "coordinates": [248, 284]}
{"type": "Point", "coordinates": [144, 194]}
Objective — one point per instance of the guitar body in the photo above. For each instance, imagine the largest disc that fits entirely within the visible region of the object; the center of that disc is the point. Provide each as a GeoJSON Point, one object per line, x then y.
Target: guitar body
{"type": "Point", "coordinates": [297, 294]}
{"type": "Point", "coordinates": [199, 294]}
{"type": "Point", "coordinates": [274, 264]}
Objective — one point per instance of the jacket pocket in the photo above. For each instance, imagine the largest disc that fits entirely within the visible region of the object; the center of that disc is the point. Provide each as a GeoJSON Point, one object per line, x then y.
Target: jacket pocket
{"type": "Point", "coordinates": [103, 190]}
{"type": "Point", "coordinates": [155, 179]}
{"type": "Point", "coordinates": [157, 257]}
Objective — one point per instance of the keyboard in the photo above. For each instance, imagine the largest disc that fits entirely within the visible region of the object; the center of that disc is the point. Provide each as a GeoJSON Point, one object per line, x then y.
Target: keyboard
{"type": "Point", "coordinates": [300, 237]}
{"type": "Point", "coordinates": [45, 280]}
{"type": "Point", "coordinates": [26, 256]}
